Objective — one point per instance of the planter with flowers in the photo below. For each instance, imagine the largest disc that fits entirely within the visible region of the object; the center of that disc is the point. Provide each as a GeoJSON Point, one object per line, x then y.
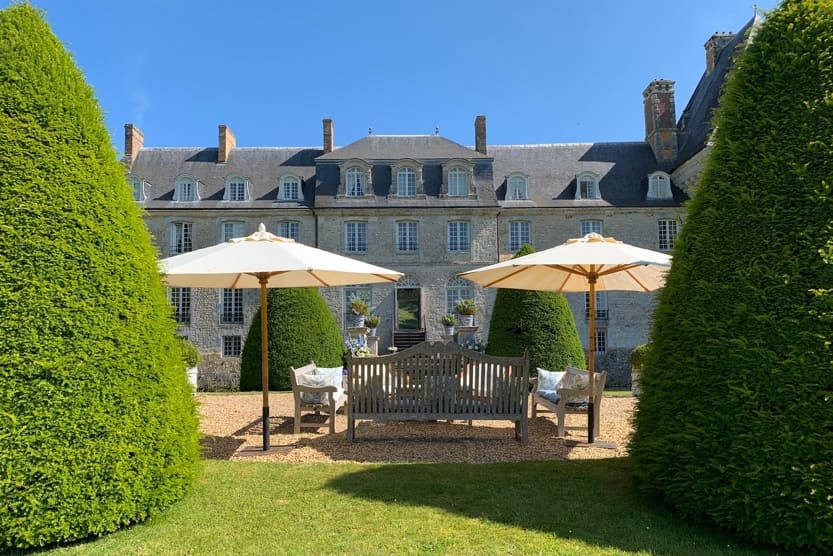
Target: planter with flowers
{"type": "Point", "coordinates": [449, 320]}
{"type": "Point", "coordinates": [466, 308]}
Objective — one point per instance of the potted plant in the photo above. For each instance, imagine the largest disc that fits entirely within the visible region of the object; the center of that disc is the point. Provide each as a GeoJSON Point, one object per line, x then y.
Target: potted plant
{"type": "Point", "coordinates": [449, 320]}
{"type": "Point", "coordinates": [637, 360]}
{"type": "Point", "coordinates": [192, 357]}
{"type": "Point", "coordinates": [359, 309]}
{"type": "Point", "coordinates": [466, 309]}
{"type": "Point", "coordinates": [372, 321]}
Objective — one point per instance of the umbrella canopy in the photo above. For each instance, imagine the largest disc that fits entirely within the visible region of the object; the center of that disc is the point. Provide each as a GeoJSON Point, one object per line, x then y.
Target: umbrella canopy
{"type": "Point", "coordinates": [586, 264]}
{"type": "Point", "coordinates": [263, 260]}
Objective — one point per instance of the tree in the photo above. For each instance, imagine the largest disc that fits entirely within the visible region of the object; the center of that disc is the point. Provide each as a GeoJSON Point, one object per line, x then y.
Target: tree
{"type": "Point", "coordinates": [735, 421]}
{"type": "Point", "coordinates": [301, 329]}
{"type": "Point", "coordinates": [98, 427]}
{"type": "Point", "coordinates": [539, 321]}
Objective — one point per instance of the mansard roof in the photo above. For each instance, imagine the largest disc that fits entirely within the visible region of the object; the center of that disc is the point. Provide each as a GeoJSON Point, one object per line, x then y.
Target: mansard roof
{"type": "Point", "coordinates": [394, 147]}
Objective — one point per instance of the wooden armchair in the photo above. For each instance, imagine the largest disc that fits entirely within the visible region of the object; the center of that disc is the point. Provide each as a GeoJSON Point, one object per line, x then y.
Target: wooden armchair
{"type": "Point", "coordinates": [562, 409]}
{"type": "Point", "coordinates": [315, 389]}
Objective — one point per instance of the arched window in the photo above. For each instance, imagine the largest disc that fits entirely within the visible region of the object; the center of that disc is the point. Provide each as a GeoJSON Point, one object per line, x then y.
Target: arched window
{"type": "Point", "coordinates": [516, 188]}
{"type": "Point", "coordinates": [185, 189]}
{"type": "Point", "coordinates": [289, 189]}
{"type": "Point", "coordinates": [659, 186]}
{"type": "Point", "coordinates": [587, 187]}
{"type": "Point", "coordinates": [458, 185]}
{"type": "Point", "coordinates": [406, 182]}
{"type": "Point", "coordinates": [355, 185]}
{"type": "Point", "coordinates": [457, 289]}
{"type": "Point", "coordinates": [235, 189]}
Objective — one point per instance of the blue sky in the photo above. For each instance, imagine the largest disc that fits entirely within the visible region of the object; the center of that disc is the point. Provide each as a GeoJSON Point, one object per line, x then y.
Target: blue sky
{"type": "Point", "coordinates": [542, 71]}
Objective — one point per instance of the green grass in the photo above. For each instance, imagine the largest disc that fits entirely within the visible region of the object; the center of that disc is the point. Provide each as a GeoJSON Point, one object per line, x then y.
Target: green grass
{"type": "Point", "coordinates": [571, 507]}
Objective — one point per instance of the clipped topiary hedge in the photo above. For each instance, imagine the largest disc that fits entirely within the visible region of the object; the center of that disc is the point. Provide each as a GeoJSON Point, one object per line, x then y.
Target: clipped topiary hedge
{"type": "Point", "coordinates": [541, 322]}
{"type": "Point", "coordinates": [735, 422]}
{"type": "Point", "coordinates": [98, 427]}
{"type": "Point", "coordinates": [301, 329]}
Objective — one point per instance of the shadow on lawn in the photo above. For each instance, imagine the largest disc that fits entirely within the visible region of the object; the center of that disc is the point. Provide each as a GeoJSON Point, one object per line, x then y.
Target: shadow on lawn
{"type": "Point", "coordinates": [594, 501]}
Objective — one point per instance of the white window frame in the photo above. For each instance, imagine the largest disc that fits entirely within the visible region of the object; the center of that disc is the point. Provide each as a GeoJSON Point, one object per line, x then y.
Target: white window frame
{"type": "Point", "coordinates": [407, 237]}
{"type": "Point", "coordinates": [181, 236]}
{"type": "Point", "coordinates": [518, 230]}
{"type": "Point", "coordinates": [659, 186]}
{"type": "Point", "coordinates": [602, 311]}
{"type": "Point", "coordinates": [458, 182]}
{"type": "Point", "coordinates": [355, 237]}
{"type": "Point", "coordinates": [456, 289]}
{"type": "Point", "coordinates": [232, 228]}
{"type": "Point", "coordinates": [406, 182]}
{"type": "Point", "coordinates": [354, 185]}
{"type": "Point", "coordinates": [587, 186]}
{"type": "Point", "coordinates": [180, 299]}
{"type": "Point", "coordinates": [237, 189]}
{"type": "Point", "coordinates": [517, 188]}
{"type": "Point", "coordinates": [289, 229]}
{"type": "Point", "coordinates": [232, 346]}
{"type": "Point", "coordinates": [185, 189]}
{"type": "Point", "coordinates": [667, 230]}
{"type": "Point", "coordinates": [591, 225]}
{"type": "Point", "coordinates": [290, 188]}
{"type": "Point", "coordinates": [459, 236]}
{"type": "Point", "coordinates": [599, 339]}
{"type": "Point", "coordinates": [231, 306]}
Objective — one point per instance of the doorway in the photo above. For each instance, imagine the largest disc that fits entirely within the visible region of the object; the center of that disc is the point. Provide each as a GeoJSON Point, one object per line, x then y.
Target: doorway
{"type": "Point", "coordinates": [408, 309]}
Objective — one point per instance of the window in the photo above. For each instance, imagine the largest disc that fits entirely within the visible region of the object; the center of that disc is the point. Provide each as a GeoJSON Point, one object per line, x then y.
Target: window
{"type": "Point", "coordinates": [355, 182]}
{"type": "Point", "coordinates": [457, 183]}
{"type": "Point", "coordinates": [137, 184]}
{"type": "Point", "coordinates": [406, 182]}
{"type": "Point", "coordinates": [591, 226]}
{"type": "Point", "coordinates": [355, 237]}
{"type": "Point", "coordinates": [458, 237]}
{"type": "Point", "coordinates": [659, 186]}
{"type": "Point", "coordinates": [231, 229]}
{"type": "Point", "coordinates": [180, 236]}
{"type": "Point", "coordinates": [516, 188]}
{"type": "Point", "coordinates": [353, 292]}
{"type": "Point", "coordinates": [667, 233]}
{"type": "Point", "coordinates": [518, 235]}
{"type": "Point", "coordinates": [185, 189]}
{"type": "Point", "coordinates": [232, 346]}
{"type": "Point", "coordinates": [231, 306]}
{"type": "Point", "coordinates": [457, 289]}
{"type": "Point", "coordinates": [290, 189]}
{"type": "Point", "coordinates": [406, 236]}
{"type": "Point", "coordinates": [235, 189]}
{"type": "Point", "coordinates": [601, 305]}
{"type": "Point", "coordinates": [181, 301]}
{"type": "Point", "coordinates": [587, 187]}
{"type": "Point", "coordinates": [291, 230]}
{"type": "Point", "coordinates": [600, 338]}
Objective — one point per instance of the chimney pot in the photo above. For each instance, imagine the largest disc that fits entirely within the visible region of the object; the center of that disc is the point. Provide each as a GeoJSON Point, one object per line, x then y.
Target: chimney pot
{"type": "Point", "coordinates": [480, 134]}
{"type": "Point", "coordinates": [660, 119]}
{"type": "Point", "coordinates": [226, 142]}
{"type": "Point", "coordinates": [714, 46]}
{"type": "Point", "coordinates": [134, 140]}
{"type": "Point", "coordinates": [328, 135]}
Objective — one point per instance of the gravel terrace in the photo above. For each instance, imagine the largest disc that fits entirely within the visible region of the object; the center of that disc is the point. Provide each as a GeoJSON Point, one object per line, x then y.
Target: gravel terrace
{"type": "Point", "coordinates": [231, 424]}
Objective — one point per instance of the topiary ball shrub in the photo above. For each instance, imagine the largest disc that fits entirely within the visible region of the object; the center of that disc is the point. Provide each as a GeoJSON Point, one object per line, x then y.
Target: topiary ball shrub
{"type": "Point", "coordinates": [301, 328]}
{"type": "Point", "coordinates": [98, 428]}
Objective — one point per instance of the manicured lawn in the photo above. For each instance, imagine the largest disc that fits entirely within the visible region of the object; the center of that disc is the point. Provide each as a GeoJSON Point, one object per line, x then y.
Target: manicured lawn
{"type": "Point", "coordinates": [574, 507]}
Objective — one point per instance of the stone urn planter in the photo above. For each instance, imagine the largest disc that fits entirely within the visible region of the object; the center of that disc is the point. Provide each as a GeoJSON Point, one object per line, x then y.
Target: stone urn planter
{"type": "Point", "coordinates": [466, 309]}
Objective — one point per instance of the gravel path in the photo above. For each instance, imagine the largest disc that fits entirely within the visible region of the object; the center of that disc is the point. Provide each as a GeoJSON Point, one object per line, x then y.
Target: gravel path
{"type": "Point", "coordinates": [231, 423]}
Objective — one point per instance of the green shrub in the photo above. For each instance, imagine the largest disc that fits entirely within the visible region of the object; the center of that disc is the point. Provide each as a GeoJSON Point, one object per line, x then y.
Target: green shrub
{"type": "Point", "coordinates": [541, 322]}
{"type": "Point", "coordinates": [639, 355]}
{"type": "Point", "coordinates": [301, 329]}
{"type": "Point", "coordinates": [190, 354]}
{"type": "Point", "coordinates": [735, 422]}
{"type": "Point", "coordinates": [98, 427]}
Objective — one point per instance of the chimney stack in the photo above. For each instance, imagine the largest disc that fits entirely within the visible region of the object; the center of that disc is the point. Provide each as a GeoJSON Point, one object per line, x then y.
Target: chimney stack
{"type": "Point", "coordinates": [714, 46]}
{"type": "Point", "coordinates": [134, 140]}
{"type": "Point", "coordinates": [226, 142]}
{"type": "Point", "coordinates": [328, 135]}
{"type": "Point", "coordinates": [660, 119]}
{"type": "Point", "coordinates": [480, 134]}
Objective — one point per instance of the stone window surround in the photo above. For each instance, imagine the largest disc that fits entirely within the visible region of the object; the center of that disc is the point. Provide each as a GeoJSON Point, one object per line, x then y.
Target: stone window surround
{"type": "Point", "coordinates": [468, 168]}
{"type": "Point", "coordinates": [659, 186]}
{"type": "Point", "coordinates": [525, 188]}
{"type": "Point", "coordinates": [596, 189]}
{"type": "Point", "coordinates": [459, 223]}
{"type": "Point", "coordinates": [398, 238]}
{"type": "Point", "coordinates": [420, 182]}
{"type": "Point", "coordinates": [236, 178]}
{"type": "Point", "coordinates": [179, 181]}
{"type": "Point", "coordinates": [528, 233]}
{"type": "Point", "coordinates": [589, 222]}
{"type": "Point", "coordinates": [174, 226]}
{"type": "Point", "coordinates": [365, 168]}
{"type": "Point", "coordinates": [231, 306]}
{"type": "Point", "coordinates": [360, 224]}
{"type": "Point", "coordinates": [288, 224]}
{"type": "Point", "coordinates": [142, 187]}
{"type": "Point", "coordinates": [234, 223]}
{"type": "Point", "coordinates": [281, 191]}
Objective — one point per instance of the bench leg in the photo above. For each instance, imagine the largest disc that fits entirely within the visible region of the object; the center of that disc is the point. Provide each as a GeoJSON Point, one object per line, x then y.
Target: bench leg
{"type": "Point", "coordinates": [297, 424]}
{"type": "Point", "coordinates": [332, 416]}
{"type": "Point", "coordinates": [351, 428]}
{"type": "Point", "coordinates": [560, 417]}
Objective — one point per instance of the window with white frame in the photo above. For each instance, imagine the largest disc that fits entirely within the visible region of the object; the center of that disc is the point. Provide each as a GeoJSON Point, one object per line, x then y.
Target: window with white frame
{"type": "Point", "coordinates": [457, 289]}
{"type": "Point", "coordinates": [666, 234]}
{"type": "Point", "coordinates": [232, 346]}
{"type": "Point", "coordinates": [659, 186]}
{"type": "Point", "coordinates": [458, 185]}
{"type": "Point", "coordinates": [181, 234]}
{"type": "Point", "coordinates": [591, 226]}
{"type": "Point", "coordinates": [600, 337]}
{"type": "Point", "coordinates": [518, 235]}
{"type": "Point", "coordinates": [407, 236]}
{"type": "Point", "coordinates": [516, 188]}
{"type": "Point", "coordinates": [355, 237]}
{"type": "Point", "coordinates": [181, 301]}
{"type": "Point", "coordinates": [601, 306]}
{"type": "Point", "coordinates": [235, 189]}
{"type": "Point", "coordinates": [587, 187]}
{"type": "Point", "coordinates": [230, 229]}
{"type": "Point", "coordinates": [355, 186]}
{"type": "Point", "coordinates": [458, 237]}
{"type": "Point", "coordinates": [355, 292]}
{"type": "Point", "coordinates": [231, 306]}
{"type": "Point", "coordinates": [406, 182]}
{"type": "Point", "coordinates": [185, 189]}
{"type": "Point", "coordinates": [290, 189]}
{"type": "Point", "coordinates": [289, 229]}
{"type": "Point", "coordinates": [137, 184]}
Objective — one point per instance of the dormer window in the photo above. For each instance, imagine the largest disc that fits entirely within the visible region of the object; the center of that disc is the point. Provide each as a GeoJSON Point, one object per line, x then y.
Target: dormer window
{"type": "Point", "coordinates": [458, 184]}
{"type": "Point", "coordinates": [458, 178]}
{"type": "Point", "coordinates": [290, 189]}
{"type": "Point", "coordinates": [406, 182]}
{"type": "Point", "coordinates": [587, 187]}
{"type": "Point", "coordinates": [185, 189]}
{"type": "Point", "coordinates": [355, 179]}
{"type": "Point", "coordinates": [407, 179]}
{"type": "Point", "coordinates": [355, 182]}
{"type": "Point", "coordinates": [659, 186]}
{"type": "Point", "coordinates": [516, 188]}
{"type": "Point", "coordinates": [137, 184]}
{"type": "Point", "coordinates": [236, 189]}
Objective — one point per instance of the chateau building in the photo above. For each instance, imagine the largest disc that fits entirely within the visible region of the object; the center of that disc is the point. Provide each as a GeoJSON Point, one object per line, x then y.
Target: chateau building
{"type": "Point", "coordinates": [430, 208]}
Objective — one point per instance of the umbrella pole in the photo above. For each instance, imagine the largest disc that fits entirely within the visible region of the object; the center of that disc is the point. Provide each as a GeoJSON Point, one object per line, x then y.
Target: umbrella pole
{"type": "Point", "coordinates": [264, 360]}
{"type": "Point", "coordinates": [591, 356]}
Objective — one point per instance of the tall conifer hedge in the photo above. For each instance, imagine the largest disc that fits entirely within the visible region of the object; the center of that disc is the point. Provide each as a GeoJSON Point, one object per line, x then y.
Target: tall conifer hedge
{"type": "Point", "coordinates": [97, 424]}
{"type": "Point", "coordinates": [539, 321]}
{"type": "Point", "coordinates": [735, 422]}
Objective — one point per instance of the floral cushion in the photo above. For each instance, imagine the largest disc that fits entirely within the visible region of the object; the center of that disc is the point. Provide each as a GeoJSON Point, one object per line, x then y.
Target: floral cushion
{"type": "Point", "coordinates": [549, 380]}
{"type": "Point", "coordinates": [321, 377]}
{"type": "Point", "coordinates": [575, 379]}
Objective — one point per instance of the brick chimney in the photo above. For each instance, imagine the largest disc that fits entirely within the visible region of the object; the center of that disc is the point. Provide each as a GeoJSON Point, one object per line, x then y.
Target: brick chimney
{"type": "Point", "coordinates": [480, 134]}
{"type": "Point", "coordinates": [660, 119]}
{"type": "Point", "coordinates": [714, 46]}
{"type": "Point", "coordinates": [226, 142]}
{"type": "Point", "coordinates": [328, 135]}
{"type": "Point", "coordinates": [134, 140]}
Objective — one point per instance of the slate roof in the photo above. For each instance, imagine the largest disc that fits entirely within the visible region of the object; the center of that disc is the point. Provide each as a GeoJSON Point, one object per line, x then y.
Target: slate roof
{"type": "Point", "coordinates": [395, 147]}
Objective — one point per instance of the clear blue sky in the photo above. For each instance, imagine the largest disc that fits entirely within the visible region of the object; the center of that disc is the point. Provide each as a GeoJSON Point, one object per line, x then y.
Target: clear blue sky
{"type": "Point", "coordinates": [542, 71]}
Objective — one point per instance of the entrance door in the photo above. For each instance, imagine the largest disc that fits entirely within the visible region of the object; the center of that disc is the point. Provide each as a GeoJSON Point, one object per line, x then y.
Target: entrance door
{"type": "Point", "coordinates": [408, 314]}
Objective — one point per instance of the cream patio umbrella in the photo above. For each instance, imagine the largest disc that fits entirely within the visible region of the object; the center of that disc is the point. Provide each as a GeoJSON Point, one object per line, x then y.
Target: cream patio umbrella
{"type": "Point", "coordinates": [263, 260]}
{"type": "Point", "coordinates": [585, 264]}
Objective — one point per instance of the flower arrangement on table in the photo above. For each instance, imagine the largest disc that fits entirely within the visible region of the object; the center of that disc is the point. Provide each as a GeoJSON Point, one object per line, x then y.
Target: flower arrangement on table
{"type": "Point", "coordinates": [357, 347]}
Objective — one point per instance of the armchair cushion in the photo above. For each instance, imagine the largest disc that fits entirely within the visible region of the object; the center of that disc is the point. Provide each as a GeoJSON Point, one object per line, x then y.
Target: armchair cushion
{"type": "Point", "coordinates": [549, 380]}
{"type": "Point", "coordinates": [321, 377]}
{"type": "Point", "coordinates": [575, 379]}
{"type": "Point", "coordinates": [549, 395]}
